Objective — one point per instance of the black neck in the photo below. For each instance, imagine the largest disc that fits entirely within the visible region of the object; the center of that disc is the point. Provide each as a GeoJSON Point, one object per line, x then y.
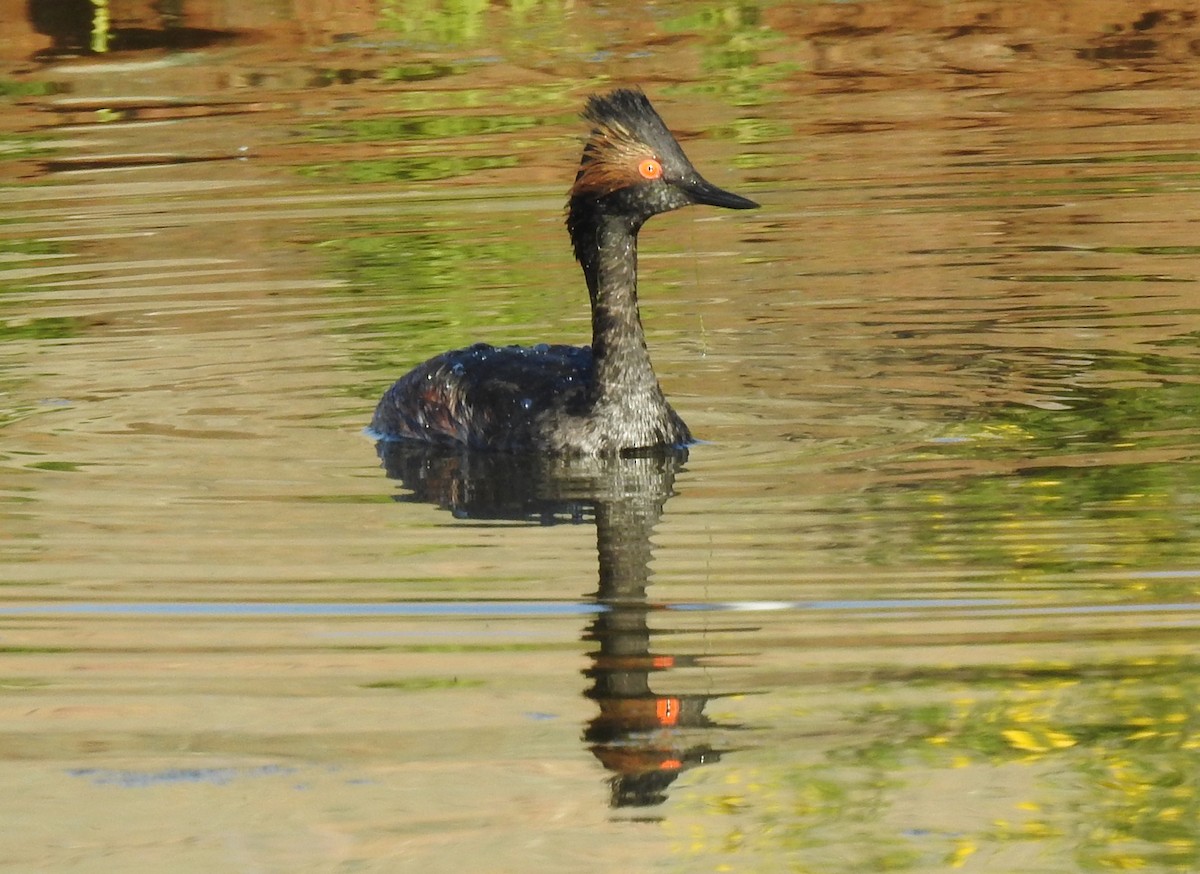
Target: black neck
{"type": "Point", "coordinates": [606, 246]}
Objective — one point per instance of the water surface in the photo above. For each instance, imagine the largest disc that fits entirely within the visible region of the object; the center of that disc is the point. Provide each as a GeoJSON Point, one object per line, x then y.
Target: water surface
{"type": "Point", "coordinates": [924, 599]}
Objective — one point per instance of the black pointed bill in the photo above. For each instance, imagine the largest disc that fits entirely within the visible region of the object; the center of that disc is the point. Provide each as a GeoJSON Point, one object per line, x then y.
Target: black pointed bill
{"type": "Point", "coordinates": [702, 191]}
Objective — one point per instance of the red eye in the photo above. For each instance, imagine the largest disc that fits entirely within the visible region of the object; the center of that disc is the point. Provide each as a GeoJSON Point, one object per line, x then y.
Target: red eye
{"type": "Point", "coordinates": [650, 169]}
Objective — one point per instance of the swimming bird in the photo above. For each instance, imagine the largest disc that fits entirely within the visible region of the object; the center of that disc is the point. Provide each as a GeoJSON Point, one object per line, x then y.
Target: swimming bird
{"type": "Point", "coordinates": [602, 399]}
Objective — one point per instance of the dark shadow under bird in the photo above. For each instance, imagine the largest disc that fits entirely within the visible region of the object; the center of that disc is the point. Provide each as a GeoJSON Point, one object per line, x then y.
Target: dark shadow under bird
{"type": "Point", "coordinates": [602, 399]}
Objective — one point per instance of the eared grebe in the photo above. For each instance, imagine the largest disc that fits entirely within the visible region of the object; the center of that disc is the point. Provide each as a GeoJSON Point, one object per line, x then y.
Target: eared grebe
{"type": "Point", "coordinates": [597, 400]}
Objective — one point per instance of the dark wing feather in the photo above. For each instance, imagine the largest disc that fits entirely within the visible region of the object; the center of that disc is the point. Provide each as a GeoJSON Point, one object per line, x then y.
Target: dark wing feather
{"type": "Point", "coordinates": [485, 397]}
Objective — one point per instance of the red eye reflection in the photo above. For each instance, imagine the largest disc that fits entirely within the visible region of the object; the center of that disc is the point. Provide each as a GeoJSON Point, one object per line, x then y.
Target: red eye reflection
{"type": "Point", "coordinates": [650, 169]}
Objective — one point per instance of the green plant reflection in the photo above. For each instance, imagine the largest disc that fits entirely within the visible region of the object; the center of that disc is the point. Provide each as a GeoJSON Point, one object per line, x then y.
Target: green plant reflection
{"type": "Point", "coordinates": [1094, 762]}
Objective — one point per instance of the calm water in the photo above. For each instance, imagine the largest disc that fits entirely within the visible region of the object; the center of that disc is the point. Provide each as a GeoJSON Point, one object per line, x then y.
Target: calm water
{"type": "Point", "coordinates": [926, 599]}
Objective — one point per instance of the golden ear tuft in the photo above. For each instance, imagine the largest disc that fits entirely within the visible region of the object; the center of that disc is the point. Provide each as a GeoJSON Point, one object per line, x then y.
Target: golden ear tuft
{"type": "Point", "coordinates": [614, 159]}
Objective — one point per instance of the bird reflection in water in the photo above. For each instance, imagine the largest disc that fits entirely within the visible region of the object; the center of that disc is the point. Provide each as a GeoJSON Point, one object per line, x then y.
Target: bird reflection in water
{"type": "Point", "coordinates": [644, 737]}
